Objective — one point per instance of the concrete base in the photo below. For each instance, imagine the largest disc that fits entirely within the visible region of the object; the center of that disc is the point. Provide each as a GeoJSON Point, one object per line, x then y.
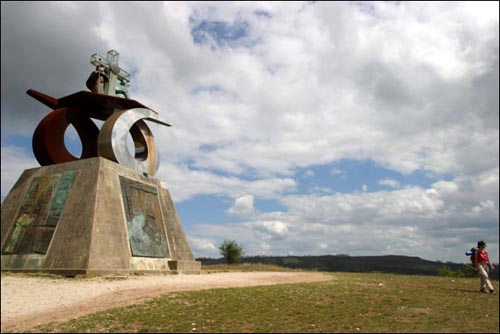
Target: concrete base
{"type": "Point", "coordinates": [92, 216]}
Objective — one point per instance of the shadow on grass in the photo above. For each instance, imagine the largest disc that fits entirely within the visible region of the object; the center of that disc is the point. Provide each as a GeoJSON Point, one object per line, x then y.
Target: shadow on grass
{"type": "Point", "coordinates": [462, 290]}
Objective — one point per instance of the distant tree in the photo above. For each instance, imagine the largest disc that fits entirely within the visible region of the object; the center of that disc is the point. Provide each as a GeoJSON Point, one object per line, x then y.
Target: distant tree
{"type": "Point", "coordinates": [231, 251]}
{"type": "Point", "coordinates": [446, 271]}
{"type": "Point", "coordinates": [469, 271]}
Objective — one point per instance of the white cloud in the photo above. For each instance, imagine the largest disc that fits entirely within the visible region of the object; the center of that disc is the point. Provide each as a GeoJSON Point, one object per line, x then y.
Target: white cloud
{"type": "Point", "coordinates": [336, 171]}
{"type": "Point", "coordinates": [486, 205]}
{"type": "Point", "coordinates": [270, 229]}
{"type": "Point", "coordinates": [185, 183]}
{"type": "Point", "coordinates": [389, 182]}
{"type": "Point", "coordinates": [413, 221]}
{"type": "Point", "coordinates": [203, 247]}
{"type": "Point", "coordinates": [309, 173]}
{"type": "Point", "coordinates": [243, 206]}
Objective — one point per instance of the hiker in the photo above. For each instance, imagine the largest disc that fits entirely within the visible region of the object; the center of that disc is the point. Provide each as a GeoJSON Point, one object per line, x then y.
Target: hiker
{"type": "Point", "coordinates": [482, 266]}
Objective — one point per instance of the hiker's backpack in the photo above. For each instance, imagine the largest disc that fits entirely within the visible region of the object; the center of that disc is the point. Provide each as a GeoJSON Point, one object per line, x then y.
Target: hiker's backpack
{"type": "Point", "coordinates": [471, 255]}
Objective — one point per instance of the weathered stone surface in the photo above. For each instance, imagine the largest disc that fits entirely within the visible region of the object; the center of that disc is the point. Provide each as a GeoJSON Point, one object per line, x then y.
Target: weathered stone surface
{"type": "Point", "coordinates": [108, 210]}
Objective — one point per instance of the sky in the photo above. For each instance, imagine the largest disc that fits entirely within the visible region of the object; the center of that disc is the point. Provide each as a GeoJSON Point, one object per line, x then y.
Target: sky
{"type": "Point", "coordinates": [299, 128]}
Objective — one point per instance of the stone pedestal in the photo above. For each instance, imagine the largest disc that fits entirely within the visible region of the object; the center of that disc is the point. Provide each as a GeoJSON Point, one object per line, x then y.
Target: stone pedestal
{"type": "Point", "coordinates": [92, 216]}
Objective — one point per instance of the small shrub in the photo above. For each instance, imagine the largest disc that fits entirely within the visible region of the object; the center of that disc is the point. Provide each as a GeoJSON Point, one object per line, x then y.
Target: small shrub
{"type": "Point", "coordinates": [469, 271]}
{"type": "Point", "coordinates": [231, 251]}
{"type": "Point", "coordinates": [445, 271]}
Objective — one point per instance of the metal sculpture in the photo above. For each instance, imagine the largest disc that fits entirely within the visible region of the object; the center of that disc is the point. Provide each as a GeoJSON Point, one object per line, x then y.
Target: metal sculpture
{"type": "Point", "coordinates": [108, 78]}
{"type": "Point", "coordinates": [107, 101]}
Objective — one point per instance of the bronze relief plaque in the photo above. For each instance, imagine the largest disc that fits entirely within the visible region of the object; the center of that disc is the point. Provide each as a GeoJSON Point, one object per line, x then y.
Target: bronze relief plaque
{"type": "Point", "coordinates": [39, 214]}
{"type": "Point", "coordinates": [146, 232]}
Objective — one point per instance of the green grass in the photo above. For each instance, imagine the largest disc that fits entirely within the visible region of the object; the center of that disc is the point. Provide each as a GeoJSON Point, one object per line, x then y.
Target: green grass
{"type": "Point", "coordinates": [352, 302]}
{"type": "Point", "coordinates": [244, 267]}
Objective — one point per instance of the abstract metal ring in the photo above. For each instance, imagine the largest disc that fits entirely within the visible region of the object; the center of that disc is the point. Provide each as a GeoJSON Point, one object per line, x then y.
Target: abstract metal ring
{"type": "Point", "coordinates": [112, 139]}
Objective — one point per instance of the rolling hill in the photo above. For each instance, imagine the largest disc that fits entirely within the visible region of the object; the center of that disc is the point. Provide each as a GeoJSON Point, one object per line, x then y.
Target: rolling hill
{"type": "Point", "coordinates": [395, 264]}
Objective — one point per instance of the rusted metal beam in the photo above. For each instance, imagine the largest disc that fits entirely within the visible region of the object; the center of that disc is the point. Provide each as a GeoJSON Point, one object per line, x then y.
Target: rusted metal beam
{"type": "Point", "coordinates": [49, 101]}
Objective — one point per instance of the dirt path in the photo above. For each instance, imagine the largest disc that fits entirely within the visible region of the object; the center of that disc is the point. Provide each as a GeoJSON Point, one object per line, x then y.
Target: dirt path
{"type": "Point", "coordinates": [31, 301]}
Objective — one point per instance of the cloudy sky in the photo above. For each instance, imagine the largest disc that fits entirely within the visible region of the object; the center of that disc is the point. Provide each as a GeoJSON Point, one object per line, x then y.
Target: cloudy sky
{"type": "Point", "coordinates": [300, 128]}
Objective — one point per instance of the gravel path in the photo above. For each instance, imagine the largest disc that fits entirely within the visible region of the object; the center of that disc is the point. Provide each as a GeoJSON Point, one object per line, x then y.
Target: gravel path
{"type": "Point", "coordinates": [30, 301]}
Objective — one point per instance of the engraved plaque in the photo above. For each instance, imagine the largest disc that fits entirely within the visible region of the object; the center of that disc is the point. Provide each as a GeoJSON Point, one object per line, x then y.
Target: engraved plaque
{"type": "Point", "coordinates": [39, 214]}
{"type": "Point", "coordinates": [146, 232]}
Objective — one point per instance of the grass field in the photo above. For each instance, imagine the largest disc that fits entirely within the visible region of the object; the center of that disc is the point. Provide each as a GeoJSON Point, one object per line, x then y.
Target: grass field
{"type": "Point", "coordinates": [244, 267]}
{"type": "Point", "coordinates": [352, 302]}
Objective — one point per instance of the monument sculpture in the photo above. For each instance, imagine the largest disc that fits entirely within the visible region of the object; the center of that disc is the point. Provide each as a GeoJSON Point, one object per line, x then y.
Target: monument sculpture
{"type": "Point", "coordinates": [102, 212]}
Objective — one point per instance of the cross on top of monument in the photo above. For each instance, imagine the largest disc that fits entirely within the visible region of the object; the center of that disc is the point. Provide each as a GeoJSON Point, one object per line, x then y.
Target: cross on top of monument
{"type": "Point", "coordinates": [115, 79]}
